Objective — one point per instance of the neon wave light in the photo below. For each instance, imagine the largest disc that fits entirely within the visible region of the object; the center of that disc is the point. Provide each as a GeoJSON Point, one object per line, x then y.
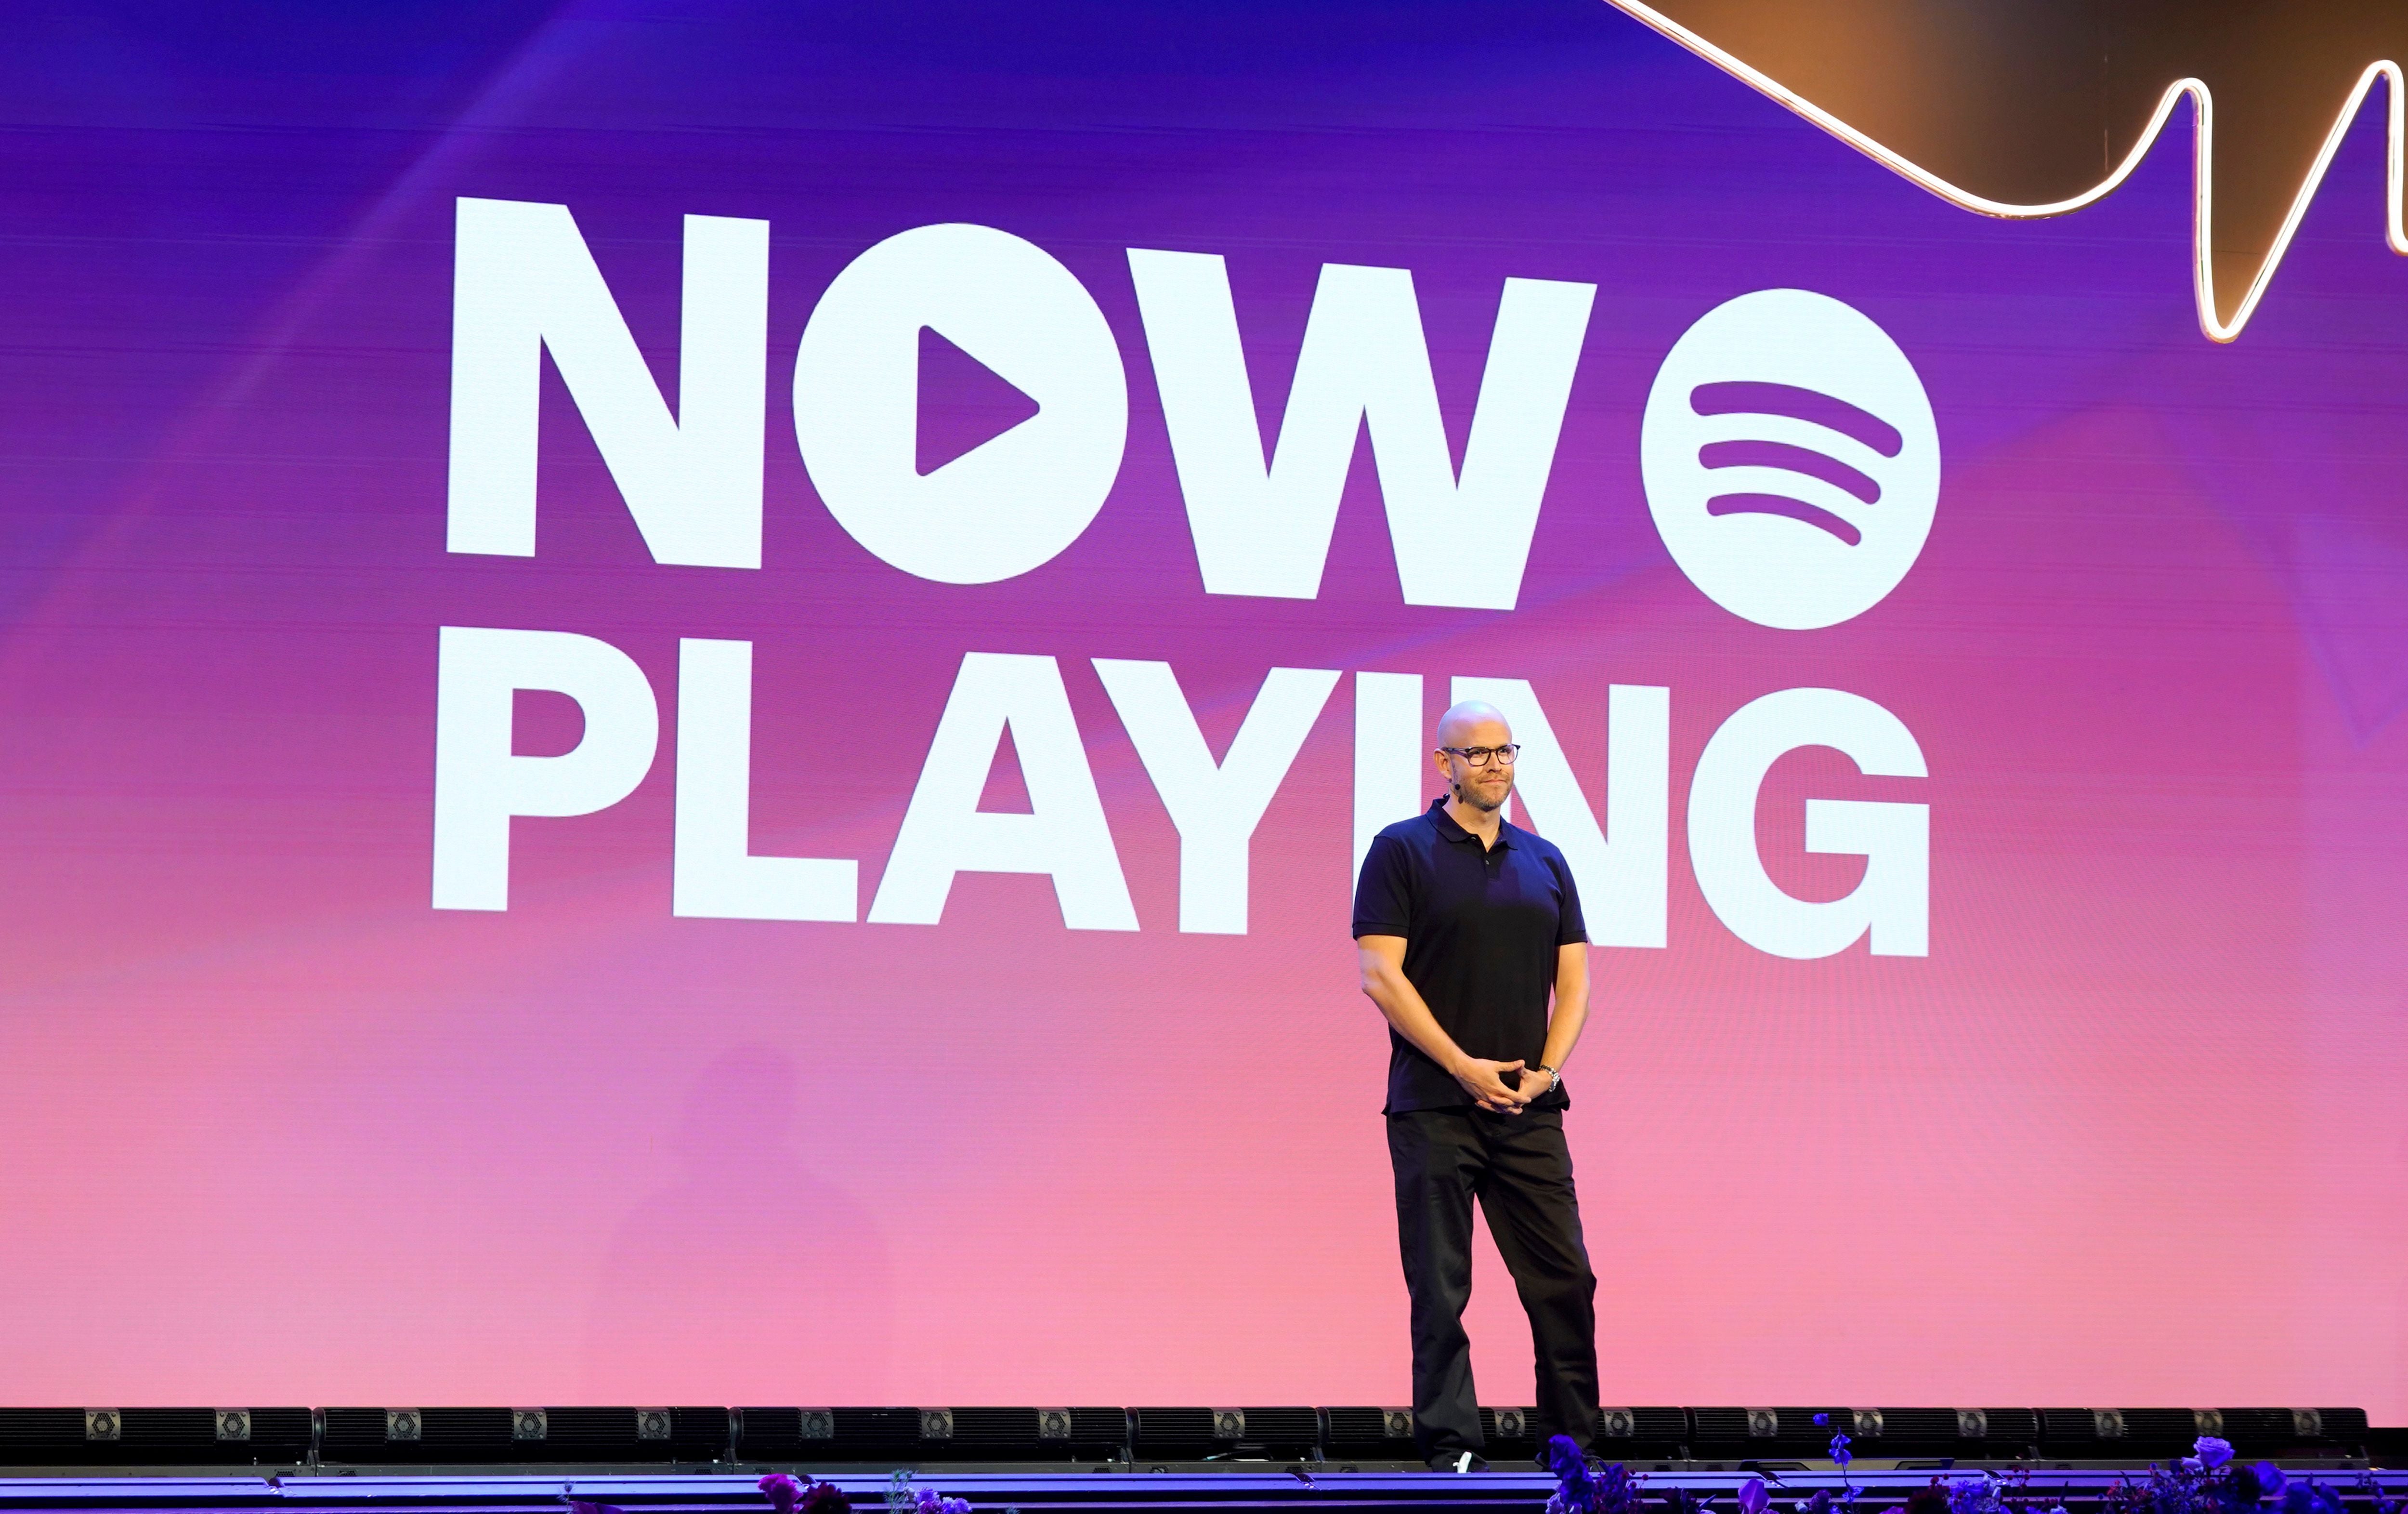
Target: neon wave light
{"type": "Point", "coordinates": [2203, 105]}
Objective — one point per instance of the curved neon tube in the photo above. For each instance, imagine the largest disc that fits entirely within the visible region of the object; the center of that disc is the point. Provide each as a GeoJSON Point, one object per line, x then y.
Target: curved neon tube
{"type": "Point", "coordinates": [2203, 105]}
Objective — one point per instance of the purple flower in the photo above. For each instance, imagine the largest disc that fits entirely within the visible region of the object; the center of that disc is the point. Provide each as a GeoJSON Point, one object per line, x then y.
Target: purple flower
{"type": "Point", "coordinates": [1753, 1499]}
{"type": "Point", "coordinates": [1822, 1419]}
{"type": "Point", "coordinates": [782, 1491]}
{"type": "Point", "coordinates": [2192, 1464]}
{"type": "Point", "coordinates": [1617, 1491]}
{"type": "Point", "coordinates": [1576, 1490]}
{"type": "Point", "coordinates": [2212, 1452]}
{"type": "Point", "coordinates": [2269, 1477]}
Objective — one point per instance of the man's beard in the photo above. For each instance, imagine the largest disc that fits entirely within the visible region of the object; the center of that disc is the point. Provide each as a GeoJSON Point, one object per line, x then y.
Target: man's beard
{"type": "Point", "coordinates": [1466, 794]}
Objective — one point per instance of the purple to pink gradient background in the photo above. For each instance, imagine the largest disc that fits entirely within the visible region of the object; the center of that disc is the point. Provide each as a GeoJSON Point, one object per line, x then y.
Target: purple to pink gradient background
{"type": "Point", "coordinates": [271, 1129]}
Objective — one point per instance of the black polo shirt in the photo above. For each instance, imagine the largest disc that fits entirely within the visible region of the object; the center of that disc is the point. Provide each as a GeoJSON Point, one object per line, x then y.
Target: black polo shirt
{"type": "Point", "coordinates": [1480, 928]}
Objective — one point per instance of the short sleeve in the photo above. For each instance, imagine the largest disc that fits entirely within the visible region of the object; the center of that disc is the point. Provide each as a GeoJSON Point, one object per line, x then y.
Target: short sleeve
{"type": "Point", "coordinates": [1383, 894]}
{"type": "Point", "coordinates": [1570, 926]}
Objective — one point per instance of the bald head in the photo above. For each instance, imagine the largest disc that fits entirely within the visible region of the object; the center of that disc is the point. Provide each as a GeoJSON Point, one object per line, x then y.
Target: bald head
{"type": "Point", "coordinates": [1463, 725]}
{"type": "Point", "coordinates": [1476, 790]}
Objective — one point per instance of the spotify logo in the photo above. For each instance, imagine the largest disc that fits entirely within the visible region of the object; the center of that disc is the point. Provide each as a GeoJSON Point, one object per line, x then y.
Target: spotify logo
{"type": "Point", "coordinates": [1790, 459]}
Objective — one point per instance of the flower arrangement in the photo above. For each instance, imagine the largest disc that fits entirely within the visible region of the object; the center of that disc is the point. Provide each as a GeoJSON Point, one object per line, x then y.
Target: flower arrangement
{"type": "Point", "coordinates": [1981, 1493]}
{"type": "Point", "coordinates": [1840, 1457]}
{"type": "Point", "coordinates": [1582, 1490]}
{"type": "Point", "coordinates": [902, 1497]}
{"type": "Point", "coordinates": [788, 1495]}
{"type": "Point", "coordinates": [806, 1495]}
{"type": "Point", "coordinates": [2210, 1481]}
{"type": "Point", "coordinates": [2207, 1481]}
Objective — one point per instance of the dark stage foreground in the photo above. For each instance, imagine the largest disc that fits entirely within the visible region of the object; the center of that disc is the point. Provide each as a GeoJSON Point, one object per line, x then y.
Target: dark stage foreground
{"type": "Point", "coordinates": [2085, 1490]}
{"type": "Point", "coordinates": [568, 1460]}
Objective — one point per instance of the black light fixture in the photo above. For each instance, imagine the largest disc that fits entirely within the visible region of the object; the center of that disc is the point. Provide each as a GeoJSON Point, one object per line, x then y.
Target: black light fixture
{"type": "Point", "coordinates": [1644, 1434]}
{"type": "Point", "coordinates": [1367, 1434]}
{"type": "Point", "coordinates": [411, 1436]}
{"type": "Point", "coordinates": [1171, 1433]}
{"type": "Point", "coordinates": [99, 1436]}
{"type": "Point", "coordinates": [1511, 1431]}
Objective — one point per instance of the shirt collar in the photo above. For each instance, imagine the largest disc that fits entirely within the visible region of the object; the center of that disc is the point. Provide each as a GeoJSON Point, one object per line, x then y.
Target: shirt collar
{"type": "Point", "coordinates": [1448, 830]}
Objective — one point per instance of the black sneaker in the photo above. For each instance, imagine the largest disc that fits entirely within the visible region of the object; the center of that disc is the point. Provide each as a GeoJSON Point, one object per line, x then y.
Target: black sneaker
{"type": "Point", "coordinates": [1457, 1462]}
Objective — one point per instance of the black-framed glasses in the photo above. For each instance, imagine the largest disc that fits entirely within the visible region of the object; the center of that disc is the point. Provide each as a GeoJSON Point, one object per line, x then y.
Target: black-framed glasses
{"type": "Point", "coordinates": [1480, 756]}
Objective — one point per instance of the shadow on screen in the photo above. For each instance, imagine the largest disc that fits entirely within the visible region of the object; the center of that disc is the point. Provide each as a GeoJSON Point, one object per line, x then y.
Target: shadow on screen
{"type": "Point", "coordinates": [750, 1278]}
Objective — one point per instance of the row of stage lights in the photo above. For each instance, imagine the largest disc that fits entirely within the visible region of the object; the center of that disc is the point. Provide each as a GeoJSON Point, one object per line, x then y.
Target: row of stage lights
{"type": "Point", "coordinates": [836, 1437]}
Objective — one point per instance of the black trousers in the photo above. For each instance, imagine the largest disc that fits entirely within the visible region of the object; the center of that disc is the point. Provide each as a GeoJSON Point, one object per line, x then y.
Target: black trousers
{"type": "Point", "coordinates": [1519, 1169]}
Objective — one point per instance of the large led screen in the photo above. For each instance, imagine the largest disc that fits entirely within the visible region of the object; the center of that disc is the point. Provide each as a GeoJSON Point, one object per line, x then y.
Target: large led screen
{"type": "Point", "coordinates": [688, 695]}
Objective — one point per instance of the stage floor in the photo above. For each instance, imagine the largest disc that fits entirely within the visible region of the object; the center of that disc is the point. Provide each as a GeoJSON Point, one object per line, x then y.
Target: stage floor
{"type": "Point", "coordinates": [2080, 1488]}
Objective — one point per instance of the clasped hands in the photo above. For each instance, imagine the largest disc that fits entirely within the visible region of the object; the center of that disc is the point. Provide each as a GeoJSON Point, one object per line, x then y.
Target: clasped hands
{"type": "Point", "coordinates": [1484, 1081]}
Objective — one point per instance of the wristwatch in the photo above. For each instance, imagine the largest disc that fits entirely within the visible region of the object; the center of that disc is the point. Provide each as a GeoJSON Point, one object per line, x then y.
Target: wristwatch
{"type": "Point", "coordinates": [1554, 1079]}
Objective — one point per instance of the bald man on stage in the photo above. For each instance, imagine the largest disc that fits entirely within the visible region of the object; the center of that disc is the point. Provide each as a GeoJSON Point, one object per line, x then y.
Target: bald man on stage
{"type": "Point", "coordinates": [1473, 945]}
